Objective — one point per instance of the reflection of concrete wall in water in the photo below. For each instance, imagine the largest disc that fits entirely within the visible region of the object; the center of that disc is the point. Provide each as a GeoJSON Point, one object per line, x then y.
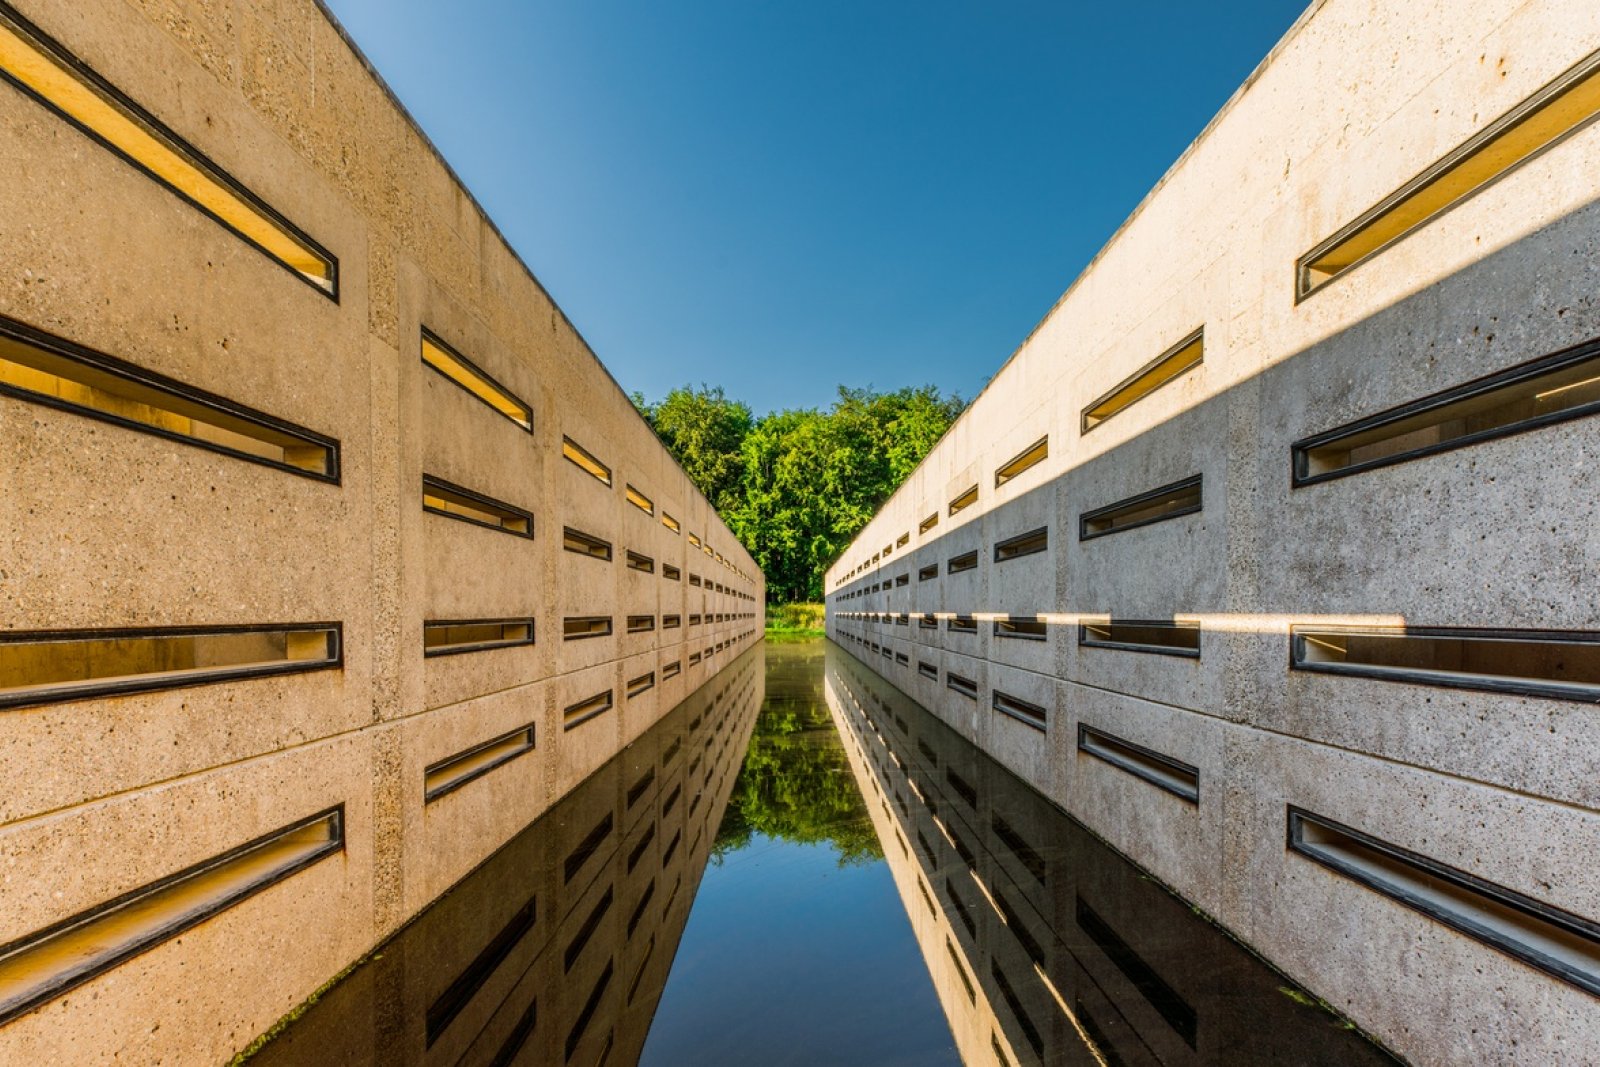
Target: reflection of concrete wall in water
{"type": "Point", "coordinates": [1042, 942]}
{"type": "Point", "coordinates": [288, 690]}
{"type": "Point", "coordinates": [557, 949]}
{"type": "Point", "coordinates": [1345, 563]}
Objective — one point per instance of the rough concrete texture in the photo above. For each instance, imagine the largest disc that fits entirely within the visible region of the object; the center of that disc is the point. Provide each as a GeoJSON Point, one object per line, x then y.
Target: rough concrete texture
{"type": "Point", "coordinates": [1497, 535]}
{"type": "Point", "coordinates": [112, 527]}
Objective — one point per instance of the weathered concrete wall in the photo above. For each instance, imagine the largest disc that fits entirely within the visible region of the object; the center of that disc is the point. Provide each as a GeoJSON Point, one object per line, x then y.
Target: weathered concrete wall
{"type": "Point", "coordinates": [107, 527]}
{"type": "Point", "coordinates": [1499, 535]}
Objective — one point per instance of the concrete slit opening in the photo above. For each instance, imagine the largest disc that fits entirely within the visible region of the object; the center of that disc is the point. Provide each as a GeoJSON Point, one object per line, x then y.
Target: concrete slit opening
{"type": "Point", "coordinates": [1024, 711]}
{"type": "Point", "coordinates": [1543, 392]}
{"type": "Point", "coordinates": [1176, 777]}
{"type": "Point", "coordinates": [43, 369]}
{"type": "Point", "coordinates": [1158, 505]}
{"type": "Point", "coordinates": [575, 715]}
{"type": "Point", "coordinates": [449, 637]}
{"type": "Point", "coordinates": [1159, 636]}
{"type": "Point", "coordinates": [62, 82]}
{"type": "Point", "coordinates": [49, 666]}
{"type": "Point", "coordinates": [453, 772]}
{"type": "Point", "coordinates": [464, 505]}
{"type": "Point", "coordinates": [1555, 941]}
{"type": "Point", "coordinates": [1546, 663]}
{"type": "Point", "coordinates": [1022, 629]}
{"type": "Point", "coordinates": [460, 370]}
{"type": "Point", "coordinates": [580, 457]}
{"type": "Point", "coordinates": [639, 500]}
{"type": "Point", "coordinates": [1174, 362]}
{"type": "Point", "coordinates": [44, 965]}
{"type": "Point", "coordinates": [1555, 112]}
{"type": "Point", "coordinates": [1027, 544]}
{"type": "Point", "coordinates": [963, 500]}
{"type": "Point", "coordinates": [582, 627]}
{"type": "Point", "coordinates": [1031, 456]}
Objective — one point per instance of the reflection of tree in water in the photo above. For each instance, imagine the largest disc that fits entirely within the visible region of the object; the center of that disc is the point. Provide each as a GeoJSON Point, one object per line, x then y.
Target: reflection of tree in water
{"type": "Point", "coordinates": [796, 786]}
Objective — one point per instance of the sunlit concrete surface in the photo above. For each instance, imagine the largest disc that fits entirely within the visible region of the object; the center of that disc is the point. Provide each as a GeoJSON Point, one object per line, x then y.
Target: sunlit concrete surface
{"type": "Point", "coordinates": [224, 205]}
{"type": "Point", "coordinates": [1479, 766]}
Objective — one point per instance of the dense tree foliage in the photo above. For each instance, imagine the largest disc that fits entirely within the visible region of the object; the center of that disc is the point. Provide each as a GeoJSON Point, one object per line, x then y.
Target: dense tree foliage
{"type": "Point", "coordinates": [796, 486]}
{"type": "Point", "coordinates": [796, 784]}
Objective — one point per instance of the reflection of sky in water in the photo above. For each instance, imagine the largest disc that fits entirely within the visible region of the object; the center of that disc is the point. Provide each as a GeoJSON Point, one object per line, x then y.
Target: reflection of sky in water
{"type": "Point", "coordinates": [789, 957]}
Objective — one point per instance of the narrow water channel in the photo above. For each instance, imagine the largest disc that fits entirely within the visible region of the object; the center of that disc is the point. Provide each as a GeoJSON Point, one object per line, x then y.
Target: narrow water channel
{"type": "Point", "coordinates": [799, 865]}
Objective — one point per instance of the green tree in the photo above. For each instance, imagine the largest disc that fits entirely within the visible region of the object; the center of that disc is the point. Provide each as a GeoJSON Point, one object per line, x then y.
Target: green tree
{"type": "Point", "coordinates": [795, 486]}
{"type": "Point", "coordinates": [704, 431]}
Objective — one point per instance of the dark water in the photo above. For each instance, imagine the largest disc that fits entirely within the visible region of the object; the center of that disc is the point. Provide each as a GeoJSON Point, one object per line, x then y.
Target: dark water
{"type": "Point", "coordinates": [800, 866]}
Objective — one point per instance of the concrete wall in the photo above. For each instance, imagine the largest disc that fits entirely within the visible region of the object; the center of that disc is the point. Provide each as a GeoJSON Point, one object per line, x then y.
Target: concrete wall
{"type": "Point", "coordinates": [1499, 535]}
{"type": "Point", "coordinates": [109, 527]}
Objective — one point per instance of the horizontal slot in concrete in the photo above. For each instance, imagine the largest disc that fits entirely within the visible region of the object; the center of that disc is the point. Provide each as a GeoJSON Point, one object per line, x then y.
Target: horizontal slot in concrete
{"type": "Point", "coordinates": [580, 457]}
{"type": "Point", "coordinates": [580, 940]}
{"type": "Point", "coordinates": [49, 73]}
{"type": "Point", "coordinates": [642, 684]}
{"type": "Point", "coordinates": [671, 622]}
{"type": "Point", "coordinates": [637, 790]}
{"type": "Point", "coordinates": [1022, 629]}
{"type": "Point", "coordinates": [641, 624]}
{"type": "Point", "coordinates": [1544, 663]}
{"type": "Point", "coordinates": [927, 670]}
{"type": "Point", "coordinates": [583, 627]}
{"type": "Point", "coordinates": [929, 572]}
{"type": "Point", "coordinates": [44, 965]}
{"type": "Point", "coordinates": [671, 523]}
{"type": "Point", "coordinates": [961, 970]}
{"type": "Point", "coordinates": [460, 370]}
{"type": "Point", "coordinates": [1168, 1003]}
{"type": "Point", "coordinates": [586, 1015]}
{"type": "Point", "coordinates": [1018, 846]}
{"type": "Point", "coordinates": [575, 715]}
{"type": "Point", "coordinates": [1031, 456]}
{"type": "Point", "coordinates": [585, 544]}
{"type": "Point", "coordinates": [961, 624]}
{"type": "Point", "coordinates": [449, 637]}
{"type": "Point", "coordinates": [1555, 941]}
{"type": "Point", "coordinates": [671, 669]}
{"type": "Point", "coordinates": [43, 369]}
{"type": "Point", "coordinates": [671, 573]}
{"type": "Point", "coordinates": [1158, 505]}
{"type": "Point", "coordinates": [1027, 544]}
{"type": "Point", "coordinates": [1023, 711]}
{"type": "Point", "coordinates": [638, 561]}
{"type": "Point", "coordinates": [639, 500]}
{"type": "Point", "coordinates": [645, 897]}
{"type": "Point", "coordinates": [1030, 1032]}
{"type": "Point", "coordinates": [1530, 396]}
{"type": "Point", "coordinates": [1174, 362]}
{"type": "Point", "coordinates": [1158, 636]}
{"type": "Point", "coordinates": [465, 505]}
{"type": "Point", "coordinates": [927, 621]}
{"type": "Point", "coordinates": [1175, 776]}
{"type": "Point", "coordinates": [50, 666]}
{"type": "Point", "coordinates": [579, 856]}
{"type": "Point", "coordinates": [1559, 109]}
{"type": "Point", "coordinates": [928, 523]}
{"type": "Point", "coordinates": [962, 501]}
{"type": "Point", "coordinates": [451, 773]}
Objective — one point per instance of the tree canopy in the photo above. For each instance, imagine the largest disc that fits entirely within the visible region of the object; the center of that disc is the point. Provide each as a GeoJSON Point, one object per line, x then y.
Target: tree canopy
{"type": "Point", "coordinates": [796, 486]}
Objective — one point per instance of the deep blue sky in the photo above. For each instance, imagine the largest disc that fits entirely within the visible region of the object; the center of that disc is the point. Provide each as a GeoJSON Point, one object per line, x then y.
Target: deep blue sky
{"type": "Point", "coordinates": [780, 197]}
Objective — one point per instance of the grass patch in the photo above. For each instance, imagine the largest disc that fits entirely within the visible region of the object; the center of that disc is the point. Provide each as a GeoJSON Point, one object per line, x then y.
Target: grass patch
{"type": "Point", "coordinates": [794, 622]}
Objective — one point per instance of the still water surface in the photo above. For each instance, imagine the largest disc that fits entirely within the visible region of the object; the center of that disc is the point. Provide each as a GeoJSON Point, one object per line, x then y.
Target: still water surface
{"type": "Point", "coordinates": [799, 865]}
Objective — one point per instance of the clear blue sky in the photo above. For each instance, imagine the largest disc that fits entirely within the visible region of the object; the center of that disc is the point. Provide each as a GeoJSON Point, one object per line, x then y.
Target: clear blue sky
{"type": "Point", "coordinates": [780, 197]}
